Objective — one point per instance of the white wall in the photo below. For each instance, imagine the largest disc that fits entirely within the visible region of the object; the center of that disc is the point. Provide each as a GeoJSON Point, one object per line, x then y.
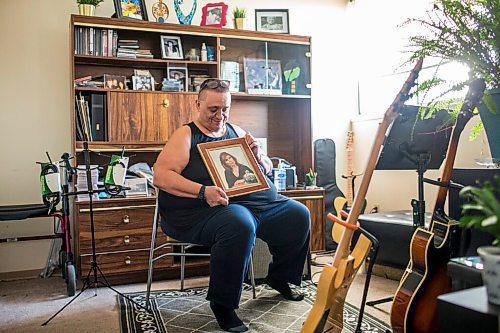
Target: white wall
{"type": "Point", "coordinates": [350, 41]}
{"type": "Point", "coordinates": [35, 95]}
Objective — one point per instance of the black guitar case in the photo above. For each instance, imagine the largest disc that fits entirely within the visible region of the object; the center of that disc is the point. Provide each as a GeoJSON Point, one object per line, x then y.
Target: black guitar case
{"type": "Point", "coordinates": [324, 165]}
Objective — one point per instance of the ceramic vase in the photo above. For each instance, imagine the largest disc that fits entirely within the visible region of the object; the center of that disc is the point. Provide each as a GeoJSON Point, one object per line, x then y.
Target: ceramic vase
{"type": "Point", "coordinates": [490, 255]}
{"type": "Point", "coordinates": [239, 23]}
{"type": "Point", "coordinates": [491, 123]}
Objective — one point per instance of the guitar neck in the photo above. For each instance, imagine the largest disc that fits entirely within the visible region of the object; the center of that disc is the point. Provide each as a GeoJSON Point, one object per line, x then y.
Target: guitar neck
{"type": "Point", "coordinates": [389, 116]}
{"type": "Point", "coordinates": [350, 179]}
{"type": "Point", "coordinates": [473, 96]}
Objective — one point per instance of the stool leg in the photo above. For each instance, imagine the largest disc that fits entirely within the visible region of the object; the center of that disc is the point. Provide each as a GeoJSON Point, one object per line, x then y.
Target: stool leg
{"type": "Point", "coordinates": [183, 263]}
{"type": "Point", "coordinates": [252, 277]}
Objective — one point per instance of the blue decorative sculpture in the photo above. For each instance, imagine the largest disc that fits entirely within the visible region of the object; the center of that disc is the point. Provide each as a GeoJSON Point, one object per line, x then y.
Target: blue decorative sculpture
{"type": "Point", "coordinates": [183, 19]}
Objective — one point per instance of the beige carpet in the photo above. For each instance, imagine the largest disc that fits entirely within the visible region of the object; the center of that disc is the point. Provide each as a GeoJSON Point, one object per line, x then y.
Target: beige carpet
{"type": "Point", "coordinates": [26, 304]}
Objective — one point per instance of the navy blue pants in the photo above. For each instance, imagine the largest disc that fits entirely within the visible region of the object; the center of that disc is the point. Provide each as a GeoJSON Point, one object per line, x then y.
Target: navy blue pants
{"type": "Point", "coordinates": [230, 234]}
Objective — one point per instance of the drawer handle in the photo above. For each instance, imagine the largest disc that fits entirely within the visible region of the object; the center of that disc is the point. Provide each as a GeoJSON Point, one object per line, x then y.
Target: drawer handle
{"type": "Point", "coordinates": [126, 219]}
{"type": "Point", "coordinates": [126, 240]}
{"type": "Point", "coordinates": [127, 260]}
{"type": "Point", "coordinates": [165, 103]}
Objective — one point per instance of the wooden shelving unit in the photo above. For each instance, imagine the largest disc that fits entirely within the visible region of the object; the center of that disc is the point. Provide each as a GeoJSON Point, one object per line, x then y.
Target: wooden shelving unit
{"type": "Point", "coordinates": [142, 122]}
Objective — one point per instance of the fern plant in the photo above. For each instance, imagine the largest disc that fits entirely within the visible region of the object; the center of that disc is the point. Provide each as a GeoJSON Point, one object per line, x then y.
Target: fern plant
{"type": "Point", "coordinates": [464, 31]}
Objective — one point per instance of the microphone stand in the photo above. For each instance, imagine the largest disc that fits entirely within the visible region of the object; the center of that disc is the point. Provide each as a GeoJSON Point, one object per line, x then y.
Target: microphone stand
{"type": "Point", "coordinates": [94, 267]}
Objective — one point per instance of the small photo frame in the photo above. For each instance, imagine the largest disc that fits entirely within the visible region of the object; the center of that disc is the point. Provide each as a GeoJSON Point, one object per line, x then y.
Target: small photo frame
{"type": "Point", "coordinates": [262, 76]}
{"type": "Point", "coordinates": [171, 47]}
{"type": "Point", "coordinates": [114, 81]}
{"type": "Point", "coordinates": [214, 14]}
{"type": "Point", "coordinates": [132, 9]}
{"type": "Point", "coordinates": [179, 74]}
{"type": "Point", "coordinates": [272, 20]}
{"type": "Point", "coordinates": [138, 187]}
{"type": "Point", "coordinates": [143, 82]}
{"type": "Point", "coordinates": [233, 167]}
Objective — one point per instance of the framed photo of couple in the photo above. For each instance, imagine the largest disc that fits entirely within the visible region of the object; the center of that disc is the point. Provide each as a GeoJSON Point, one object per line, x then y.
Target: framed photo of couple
{"type": "Point", "coordinates": [233, 167]}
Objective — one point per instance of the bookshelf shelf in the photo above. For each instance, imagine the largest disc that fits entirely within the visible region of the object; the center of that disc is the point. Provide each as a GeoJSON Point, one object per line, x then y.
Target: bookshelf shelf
{"type": "Point", "coordinates": [126, 62]}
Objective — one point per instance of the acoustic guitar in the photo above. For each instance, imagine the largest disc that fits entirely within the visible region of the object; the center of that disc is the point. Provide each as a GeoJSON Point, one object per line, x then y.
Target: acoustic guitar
{"type": "Point", "coordinates": [327, 311]}
{"type": "Point", "coordinates": [414, 308]}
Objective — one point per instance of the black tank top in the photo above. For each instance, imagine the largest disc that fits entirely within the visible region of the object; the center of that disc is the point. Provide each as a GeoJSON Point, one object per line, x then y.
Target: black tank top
{"type": "Point", "coordinates": [182, 212]}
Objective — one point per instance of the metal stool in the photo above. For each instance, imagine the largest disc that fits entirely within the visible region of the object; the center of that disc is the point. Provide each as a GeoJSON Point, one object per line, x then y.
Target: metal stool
{"type": "Point", "coordinates": [183, 254]}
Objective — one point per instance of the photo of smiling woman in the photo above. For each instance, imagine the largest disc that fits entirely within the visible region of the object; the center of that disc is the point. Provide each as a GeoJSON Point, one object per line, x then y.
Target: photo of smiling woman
{"type": "Point", "coordinates": [236, 173]}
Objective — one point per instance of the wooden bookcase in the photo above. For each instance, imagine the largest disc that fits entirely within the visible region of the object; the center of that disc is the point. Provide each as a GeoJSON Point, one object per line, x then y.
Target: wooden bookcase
{"type": "Point", "coordinates": [142, 121]}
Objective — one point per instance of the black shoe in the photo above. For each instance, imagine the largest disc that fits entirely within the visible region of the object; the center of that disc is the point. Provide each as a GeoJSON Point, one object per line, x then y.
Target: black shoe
{"type": "Point", "coordinates": [227, 318]}
{"type": "Point", "coordinates": [284, 289]}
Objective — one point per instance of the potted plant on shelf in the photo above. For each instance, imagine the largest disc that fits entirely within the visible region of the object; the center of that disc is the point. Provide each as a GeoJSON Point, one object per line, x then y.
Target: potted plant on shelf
{"type": "Point", "coordinates": [87, 7]}
{"type": "Point", "coordinates": [464, 31]}
{"type": "Point", "coordinates": [239, 15]}
{"type": "Point", "coordinates": [482, 211]}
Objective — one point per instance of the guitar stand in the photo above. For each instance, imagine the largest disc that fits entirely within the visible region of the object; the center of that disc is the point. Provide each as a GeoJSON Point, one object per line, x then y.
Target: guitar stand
{"type": "Point", "coordinates": [373, 255]}
{"type": "Point", "coordinates": [95, 282]}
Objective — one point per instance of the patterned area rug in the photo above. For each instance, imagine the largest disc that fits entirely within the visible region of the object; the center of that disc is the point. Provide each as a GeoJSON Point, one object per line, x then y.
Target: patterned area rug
{"type": "Point", "coordinates": [189, 311]}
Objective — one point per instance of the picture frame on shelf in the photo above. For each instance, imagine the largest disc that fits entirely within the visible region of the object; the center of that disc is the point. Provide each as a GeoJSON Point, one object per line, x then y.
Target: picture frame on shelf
{"type": "Point", "coordinates": [138, 187]}
{"type": "Point", "coordinates": [220, 157]}
{"type": "Point", "coordinates": [262, 76]}
{"type": "Point", "coordinates": [143, 82]}
{"type": "Point", "coordinates": [214, 14]}
{"type": "Point", "coordinates": [114, 81]}
{"type": "Point", "coordinates": [178, 74]}
{"type": "Point", "coordinates": [272, 20]}
{"type": "Point", "coordinates": [171, 47]}
{"type": "Point", "coordinates": [131, 9]}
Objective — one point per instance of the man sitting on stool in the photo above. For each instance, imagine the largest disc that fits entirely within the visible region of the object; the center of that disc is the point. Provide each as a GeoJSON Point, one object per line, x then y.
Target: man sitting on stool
{"type": "Point", "coordinates": [194, 210]}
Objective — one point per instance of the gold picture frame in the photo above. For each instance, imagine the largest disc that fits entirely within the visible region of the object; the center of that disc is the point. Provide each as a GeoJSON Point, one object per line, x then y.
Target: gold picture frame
{"type": "Point", "coordinates": [220, 158]}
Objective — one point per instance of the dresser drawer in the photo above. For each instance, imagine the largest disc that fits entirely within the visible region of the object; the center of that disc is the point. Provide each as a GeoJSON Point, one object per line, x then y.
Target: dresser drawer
{"type": "Point", "coordinates": [124, 262]}
{"type": "Point", "coordinates": [120, 240]}
{"type": "Point", "coordinates": [117, 228]}
{"type": "Point", "coordinates": [108, 219]}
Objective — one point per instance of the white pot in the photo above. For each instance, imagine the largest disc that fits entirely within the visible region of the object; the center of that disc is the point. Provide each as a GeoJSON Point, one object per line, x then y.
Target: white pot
{"type": "Point", "coordinates": [490, 255]}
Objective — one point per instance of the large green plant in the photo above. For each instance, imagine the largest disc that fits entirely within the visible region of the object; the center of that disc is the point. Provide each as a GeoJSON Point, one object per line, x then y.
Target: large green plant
{"type": "Point", "coordinates": [465, 31]}
{"type": "Point", "coordinates": [89, 2]}
{"type": "Point", "coordinates": [482, 211]}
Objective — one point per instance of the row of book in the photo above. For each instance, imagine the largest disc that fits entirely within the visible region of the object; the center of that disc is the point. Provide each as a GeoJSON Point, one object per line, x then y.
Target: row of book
{"type": "Point", "coordinates": [96, 41]}
{"type": "Point", "coordinates": [90, 121]}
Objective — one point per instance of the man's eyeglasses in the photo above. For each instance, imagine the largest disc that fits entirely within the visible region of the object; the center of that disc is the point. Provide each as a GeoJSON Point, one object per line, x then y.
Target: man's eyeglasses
{"type": "Point", "coordinates": [214, 84]}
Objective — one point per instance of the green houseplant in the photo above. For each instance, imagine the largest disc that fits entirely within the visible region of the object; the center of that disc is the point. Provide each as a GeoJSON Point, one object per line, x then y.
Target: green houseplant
{"type": "Point", "coordinates": [87, 7]}
{"type": "Point", "coordinates": [464, 31]}
{"type": "Point", "coordinates": [239, 15]}
{"type": "Point", "coordinates": [482, 211]}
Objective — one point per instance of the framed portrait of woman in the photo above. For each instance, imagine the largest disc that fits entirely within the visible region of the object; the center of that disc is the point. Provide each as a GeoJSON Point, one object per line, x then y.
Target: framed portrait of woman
{"type": "Point", "coordinates": [233, 167]}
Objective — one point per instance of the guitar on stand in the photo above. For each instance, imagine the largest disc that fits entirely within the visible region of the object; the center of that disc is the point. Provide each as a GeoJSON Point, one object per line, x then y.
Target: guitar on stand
{"type": "Point", "coordinates": [414, 308]}
{"type": "Point", "coordinates": [327, 311]}
{"type": "Point", "coordinates": [341, 203]}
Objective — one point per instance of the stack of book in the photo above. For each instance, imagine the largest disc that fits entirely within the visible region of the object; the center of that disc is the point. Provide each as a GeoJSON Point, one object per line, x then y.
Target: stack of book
{"type": "Point", "coordinates": [197, 80]}
{"type": "Point", "coordinates": [81, 182]}
{"type": "Point", "coordinates": [129, 48]}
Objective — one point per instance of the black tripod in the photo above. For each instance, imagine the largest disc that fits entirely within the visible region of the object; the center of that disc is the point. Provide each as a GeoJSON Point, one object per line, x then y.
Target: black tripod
{"type": "Point", "coordinates": [92, 279]}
